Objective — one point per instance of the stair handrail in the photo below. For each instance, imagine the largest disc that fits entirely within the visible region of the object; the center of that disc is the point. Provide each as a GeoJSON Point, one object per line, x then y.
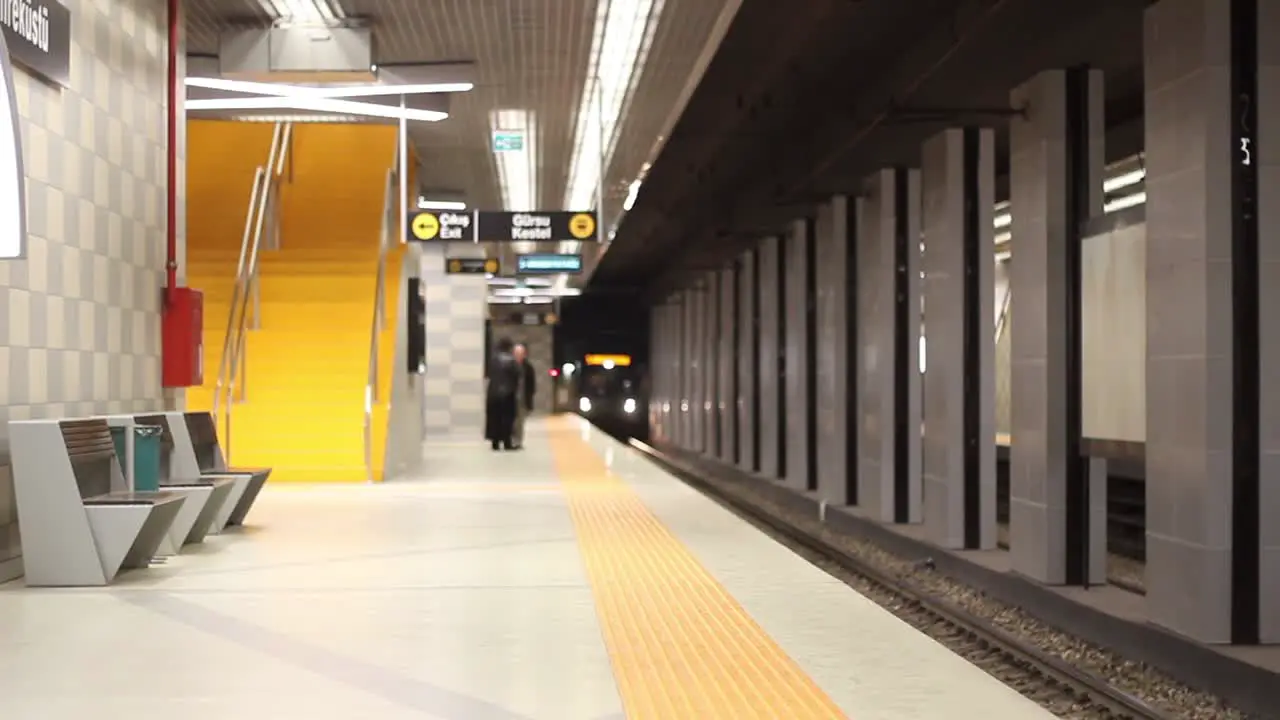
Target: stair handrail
{"type": "Point", "coordinates": [232, 363]}
{"type": "Point", "coordinates": [1002, 320]}
{"type": "Point", "coordinates": [378, 323]}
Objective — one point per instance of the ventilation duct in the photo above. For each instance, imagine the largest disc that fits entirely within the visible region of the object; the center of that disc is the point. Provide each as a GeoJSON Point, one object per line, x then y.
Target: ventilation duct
{"type": "Point", "coordinates": [299, 54]}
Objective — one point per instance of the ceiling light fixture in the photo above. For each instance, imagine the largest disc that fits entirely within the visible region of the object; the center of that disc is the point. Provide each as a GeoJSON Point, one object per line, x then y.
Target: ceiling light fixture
{"type": "Point", "coordinates": [618, 50]}
{"type": "Point", "coordinates": [327, 105]}
{"type": "Point", "coordinates": [1003, 219]}
{"type": "Point", "coordinates": [517, 169]}
{"type": "Point", "coordinates": [426, 204]}
{"type": "Point", "coordinates": [304, 11]}
{"type": "Point", "coordinates": [324, 91]}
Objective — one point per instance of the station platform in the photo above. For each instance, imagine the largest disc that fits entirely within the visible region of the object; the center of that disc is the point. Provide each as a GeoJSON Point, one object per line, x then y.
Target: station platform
{"type": "Point", "coordinates": [574, 580]}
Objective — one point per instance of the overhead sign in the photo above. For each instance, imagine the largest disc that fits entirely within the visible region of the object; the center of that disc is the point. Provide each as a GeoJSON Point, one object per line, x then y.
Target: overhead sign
{"type": "Point", "coordinates": [426, 225]}
{"type": "Point", "coordinates": [528, 318]}
{"type": "Point", "coordinates": [471, 266]}
{"type": "Point", "coordinates": [535, 226]}
{"type": "Point", "coordinates": [506, 140]}
{"type": "Point", "coordinates": [608, 361]}
{"type": "Point", "coordinates": [38, 34]}
{"type": "Point", "coordinates": [434, 225]}
{"type": "Point", "coordinates": [548, 263]}
{"type": "Point", "coordinates": [13, 207]}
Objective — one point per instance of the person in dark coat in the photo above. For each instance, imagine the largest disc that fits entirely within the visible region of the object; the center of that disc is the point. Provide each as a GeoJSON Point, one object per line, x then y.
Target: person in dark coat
{"type": "Point", "coordinates": [500, 396]}
{"type": "Point", "coordinates": [524, 396]}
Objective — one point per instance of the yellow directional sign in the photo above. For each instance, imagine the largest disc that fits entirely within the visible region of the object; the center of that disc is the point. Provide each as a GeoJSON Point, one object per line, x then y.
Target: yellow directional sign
{"type": "Point", "coordinates": [425, 226]}
{"type": "Point", "coordinates": [582, 226]}
{"type": "Point", "coordinates": [491, 266]}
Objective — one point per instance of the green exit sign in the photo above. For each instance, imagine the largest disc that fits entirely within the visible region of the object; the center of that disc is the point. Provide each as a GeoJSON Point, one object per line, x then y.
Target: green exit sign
{"type": "Point", "coordinates": [508, 140]}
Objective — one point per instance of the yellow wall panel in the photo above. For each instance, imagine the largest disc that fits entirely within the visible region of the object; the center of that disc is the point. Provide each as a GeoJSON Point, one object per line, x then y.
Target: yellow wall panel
{"type": "Point", "coordinates": [307, 362]}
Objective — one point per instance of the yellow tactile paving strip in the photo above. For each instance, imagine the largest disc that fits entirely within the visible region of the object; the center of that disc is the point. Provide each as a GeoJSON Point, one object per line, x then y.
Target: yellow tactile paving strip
{"type": "Point", "coordinates": [681, 647]}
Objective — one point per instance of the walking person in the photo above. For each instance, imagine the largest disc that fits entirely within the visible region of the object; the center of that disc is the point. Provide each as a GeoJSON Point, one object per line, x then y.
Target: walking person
{"type": "Point", "coordinates": [524, 393]}
{"type": "Point", "coordinates": [500, 396]}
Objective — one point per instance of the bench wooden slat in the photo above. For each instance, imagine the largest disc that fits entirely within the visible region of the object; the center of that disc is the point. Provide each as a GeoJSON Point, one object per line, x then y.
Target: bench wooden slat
{"type": "Point", "coordinates": [204, 438]}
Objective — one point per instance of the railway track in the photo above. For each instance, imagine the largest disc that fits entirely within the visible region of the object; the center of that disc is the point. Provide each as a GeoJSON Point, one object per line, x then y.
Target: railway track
{"type": "Point", "coordinates": [1059, 687]}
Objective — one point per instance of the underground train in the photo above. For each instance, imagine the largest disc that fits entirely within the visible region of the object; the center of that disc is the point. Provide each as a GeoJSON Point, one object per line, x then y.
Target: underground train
{"type": "Point", "coordinates": [609, 390]}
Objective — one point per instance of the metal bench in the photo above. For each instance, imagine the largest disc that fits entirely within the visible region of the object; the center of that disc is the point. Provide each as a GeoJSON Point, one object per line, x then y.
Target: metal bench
{"type": "Point", "coordinates": [206, 497]}
{"type": "Point", "coordinates": [79, 522]}
{"type": "Point", "coordinates": [199, 452]}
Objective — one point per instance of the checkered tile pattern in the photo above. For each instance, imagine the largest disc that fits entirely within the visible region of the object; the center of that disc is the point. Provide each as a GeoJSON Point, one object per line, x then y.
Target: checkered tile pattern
{"type": "Point", "coordinates": [538, 339]}
{"type": "Point", "coordinates": [79, 316]}
{"type": "Point", "coordinates": [454, 379]}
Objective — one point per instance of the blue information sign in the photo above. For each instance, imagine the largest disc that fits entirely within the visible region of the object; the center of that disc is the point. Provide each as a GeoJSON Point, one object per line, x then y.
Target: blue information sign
{"type": "Point", "coordinates": [548, 263]}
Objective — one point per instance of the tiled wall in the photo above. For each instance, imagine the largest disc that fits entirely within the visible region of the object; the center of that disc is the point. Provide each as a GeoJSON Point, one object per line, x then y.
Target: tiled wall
{"type": "Point", "coordinates": [454, 379]}
{"type": "Point", "coordinates": [79, 317]}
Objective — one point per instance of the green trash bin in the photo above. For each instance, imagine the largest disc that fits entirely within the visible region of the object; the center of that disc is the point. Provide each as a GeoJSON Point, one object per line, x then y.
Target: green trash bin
{"type": "Point", "coordinates": [146, 455]}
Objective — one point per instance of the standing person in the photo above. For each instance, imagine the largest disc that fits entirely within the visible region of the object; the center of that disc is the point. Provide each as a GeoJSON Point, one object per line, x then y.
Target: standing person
{"type": "Point", "coordinates": [500, 396]}
{"type": "Point", "coordinates": [524, 394]}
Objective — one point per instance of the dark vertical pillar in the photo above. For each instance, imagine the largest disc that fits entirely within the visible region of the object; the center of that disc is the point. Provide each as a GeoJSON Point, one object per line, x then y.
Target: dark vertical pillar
{"type": "Point", "coordinates": [1078, 193]}
{"type": "Point", "coordinates": [853, 210]}
{"type": "Point", "coordinates": [779, 385]}
{"type": "Point", "coordinates": [811, 355]}
{"type": "Point", "coordinates": [755, 387]}
{"type": "Point", "coordinates": [903, 245]}
{"type": "Point", "coordinates": [1246, 387]}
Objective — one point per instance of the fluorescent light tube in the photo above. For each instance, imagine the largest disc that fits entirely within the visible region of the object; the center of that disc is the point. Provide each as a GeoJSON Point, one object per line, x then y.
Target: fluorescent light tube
{"type": "Point", "coordinates": [425, 204]}
{"type": "Point", "coordinates": [325, 91]}
{"type": "Point", "coordinates": [342, 107]}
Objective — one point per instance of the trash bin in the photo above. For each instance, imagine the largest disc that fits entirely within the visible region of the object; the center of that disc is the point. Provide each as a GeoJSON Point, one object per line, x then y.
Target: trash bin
{"type": "Point", "coordinates": [146, 455]}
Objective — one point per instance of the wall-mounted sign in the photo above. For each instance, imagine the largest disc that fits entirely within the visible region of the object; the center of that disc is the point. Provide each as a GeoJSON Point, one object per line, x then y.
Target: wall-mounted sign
{"type": "Point", "coordinates": [432, 225]}
{"type": "Point", "coordinates": [38, 33]}
{"type": "Point", "coordinates": [527, 318]}
{"type": "Point", "coordinates": [13, 206]}
{"type": "Point", "coordinates": [506, 140]}
{"type": "Point", "coordinates": [471, 266]}
{"type": "Point", "coordinates": [535, 226]}
{"type": "Point", "coordinates": [548, 263]}
{"type": "Point", "coordinates": [607, 361]}
{"type": "Point", "coordinates": [426, 225]}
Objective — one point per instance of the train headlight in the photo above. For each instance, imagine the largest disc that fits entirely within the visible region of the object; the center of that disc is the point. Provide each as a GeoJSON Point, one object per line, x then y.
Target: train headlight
{"type": "Point", "coordinates": [584, 404]}
{"type": "Point", "coordinates": [629, 405]}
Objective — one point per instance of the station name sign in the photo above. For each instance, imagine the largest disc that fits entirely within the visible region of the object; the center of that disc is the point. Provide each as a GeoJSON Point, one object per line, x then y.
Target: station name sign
{"type": "Point", "coordinates": [548, 263]}
{"type": "Point", "coordinates": [38, 34]}
{"type": "Point", "coordinates": [486, 226]}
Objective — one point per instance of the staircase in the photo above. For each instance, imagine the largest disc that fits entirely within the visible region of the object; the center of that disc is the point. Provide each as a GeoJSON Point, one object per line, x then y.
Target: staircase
{"type": "Point", "coordinates": [289, 372]}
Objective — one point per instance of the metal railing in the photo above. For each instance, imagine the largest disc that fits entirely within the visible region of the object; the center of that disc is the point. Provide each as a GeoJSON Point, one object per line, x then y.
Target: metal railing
{"type": "Point", "coordinates": [261, 220]}
{"type": "Point", "coordinates": [1002, 320]}
{"type": "Point", "coordinates": [390, 221]}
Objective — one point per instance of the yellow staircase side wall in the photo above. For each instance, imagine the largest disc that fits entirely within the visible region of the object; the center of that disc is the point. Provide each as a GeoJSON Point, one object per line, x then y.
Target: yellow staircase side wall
{"type": "Point", "coordinates": [307, 364]}
{"type": "Point", "coordinates": [388, 363]}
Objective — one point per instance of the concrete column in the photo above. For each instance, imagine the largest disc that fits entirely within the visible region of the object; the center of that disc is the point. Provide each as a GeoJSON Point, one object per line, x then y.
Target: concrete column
{"type": "Point", "coordinates": [837, 351]}
{"type": "Point", "coordinates": [888, 366]}
{"type": "Point", "coordinates": [657, 379]}
{"type": "Point", "coordinates": [748, 354]}
{"type": "Point", "coordinates": [1056, 160]}
{"type": "Point", "coordinates": [800, 403]}
{"type": "Point", "coordinates": [1213, 337]}
{"type": "Point", "coordinates": [689, 364]}
{"type": "Point", "coordinates": [959, 458]}
{"type": "Point", "coordinates": [772, 420]}
{"type": "Point", "coordinates": [698, 397]}
{"type": "Point", "coordinates": [727, 407]}
{"type": "Point", "coordinates": [711, 364]}
{"type": "Point", "coordinates": [659, 372]}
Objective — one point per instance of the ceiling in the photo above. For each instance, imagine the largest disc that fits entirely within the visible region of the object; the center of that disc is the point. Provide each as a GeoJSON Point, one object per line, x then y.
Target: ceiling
{"type": "Point", "coordinates": [531, 54]}
{"type": "Point", "coordinates": [804, 100]}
